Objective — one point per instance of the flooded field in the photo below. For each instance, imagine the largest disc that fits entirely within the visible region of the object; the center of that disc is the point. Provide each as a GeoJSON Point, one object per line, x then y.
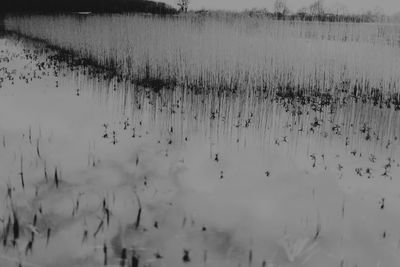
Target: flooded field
{"type": "Point", "coordinates": [97, 170]}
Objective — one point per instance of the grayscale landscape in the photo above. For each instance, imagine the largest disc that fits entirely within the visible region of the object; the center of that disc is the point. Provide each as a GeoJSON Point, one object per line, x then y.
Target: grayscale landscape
{"type": "Point", "coordinates": [138, 133]}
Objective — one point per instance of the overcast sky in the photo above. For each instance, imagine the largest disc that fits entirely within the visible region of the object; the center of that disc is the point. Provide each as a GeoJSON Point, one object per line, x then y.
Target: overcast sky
{"type": "Point", "coordinates": [389, 6]}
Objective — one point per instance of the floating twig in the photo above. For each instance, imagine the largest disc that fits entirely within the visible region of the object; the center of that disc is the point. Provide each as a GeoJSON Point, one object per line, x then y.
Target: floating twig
{"type": "Point", "coordinates": [56, 177]}
{"type": "Point", "coordinates": [139, 212]}
{"type": "Point", "coordinates": [21, 173]}
{"type": "Point", "coordinates": [48, 236]}
{"type": "Point", "coordinates": [186, 257]}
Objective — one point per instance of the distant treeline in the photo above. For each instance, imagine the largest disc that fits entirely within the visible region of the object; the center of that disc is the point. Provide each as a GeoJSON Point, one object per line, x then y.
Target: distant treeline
{"type": "Point", "coordinates": [301, 16]}
{"type": "Point", "coordinates": [97, 6]}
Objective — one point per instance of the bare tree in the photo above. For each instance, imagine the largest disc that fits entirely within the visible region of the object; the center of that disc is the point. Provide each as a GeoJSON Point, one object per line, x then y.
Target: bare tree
{"type": "Point", "coordinates": [183, 5]}
{"type": "Point", "coordinates": [303, 10]}
{"type": "Point", "coordinates": [378, 11]}
{"type": "Point", "coordinates": [339, 9]}
{"type": "Point", "coordinates": [378, 14]}
{"type": "Point", "coordinates": [317, 8]}
{"type": "Point", "coordinates": [280, 7]}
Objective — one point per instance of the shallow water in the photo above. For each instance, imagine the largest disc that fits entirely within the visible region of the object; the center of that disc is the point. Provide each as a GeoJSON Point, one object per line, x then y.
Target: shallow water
{"type": "Point", "coordinates": [233, 180]}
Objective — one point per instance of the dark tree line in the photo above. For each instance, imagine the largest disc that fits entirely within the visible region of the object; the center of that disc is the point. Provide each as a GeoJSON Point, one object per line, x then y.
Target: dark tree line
{"type": "Point", "coordinates": [97, 6]}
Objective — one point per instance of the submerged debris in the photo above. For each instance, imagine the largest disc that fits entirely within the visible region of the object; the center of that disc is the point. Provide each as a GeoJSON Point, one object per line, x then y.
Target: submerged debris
{"type": "Point", "coordinates": [186, 257]}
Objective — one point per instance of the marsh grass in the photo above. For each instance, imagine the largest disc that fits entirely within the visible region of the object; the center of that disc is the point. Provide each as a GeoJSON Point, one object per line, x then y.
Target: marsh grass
{"type": "Point", "coordinates": [278, 117]}
{"type": "Point", "coordinates": [254, 56]}
{"type": "Point", "coordinates": [234, 78]}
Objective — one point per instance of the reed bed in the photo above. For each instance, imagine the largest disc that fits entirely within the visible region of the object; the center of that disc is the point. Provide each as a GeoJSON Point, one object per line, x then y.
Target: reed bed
{"type": "Point", "coordinates": [240, 54]}
{"type": "Point", "coordinates": [225, 119]}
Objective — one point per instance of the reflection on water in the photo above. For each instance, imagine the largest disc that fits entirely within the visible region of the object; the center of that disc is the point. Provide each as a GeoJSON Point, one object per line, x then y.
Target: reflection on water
{"type": "Point", "coordinates": [97, 170]}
